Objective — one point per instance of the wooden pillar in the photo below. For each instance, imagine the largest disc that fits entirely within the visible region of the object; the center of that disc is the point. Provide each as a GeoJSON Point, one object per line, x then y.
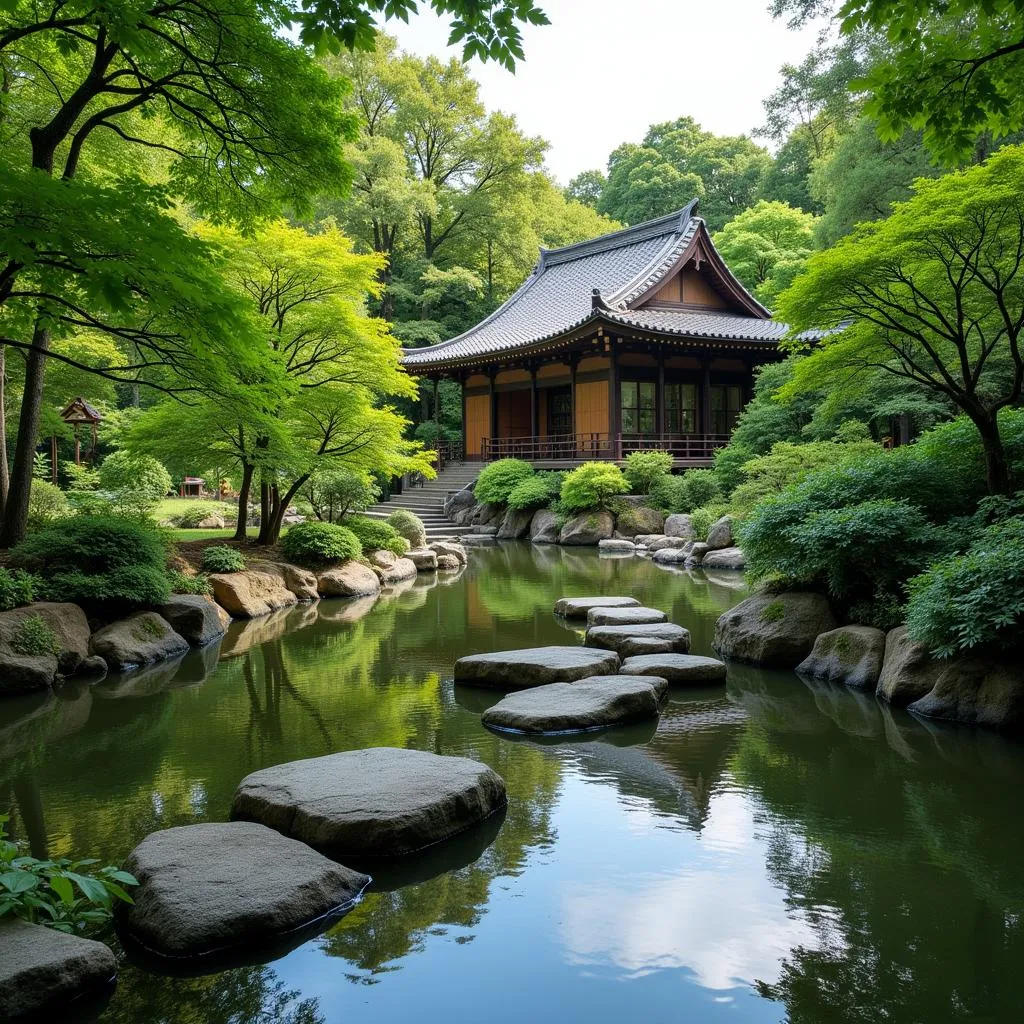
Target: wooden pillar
{"type": "Point", "coordinates": [424, 404]}
{"type": "Point", "coordinates": [705, 398]}
{"type": "Point", "coordinates": [573, 363]}
{"type": "Point", "coordinates": [465, 438]}
{"type": "Point", "coordinates": [660, 397]}
{"type": "Point", "coordinates": [614, 406]}
{"type": "Point", "coordinates": [437, 404]}
{"type": "Point", "coordinates": [492, 402]}
{"type": "Point", "coordinates": [534, 425]}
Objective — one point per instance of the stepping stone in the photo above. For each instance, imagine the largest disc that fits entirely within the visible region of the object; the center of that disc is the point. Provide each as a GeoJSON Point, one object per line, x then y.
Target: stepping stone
{"type": "Point", "coordinates": [624, 616]}
{"type": "Point", "coordinates": [534, 666]}
{"type": "Point", "coordinates": [650, 638]}
{"type": "Point", "coordinates": [678, 669]}
{"type": "Point", "coordinates": [577, 607]}
{"type": "Point", "coordinates": [219, 886]}
{"type": "Point", "coordinates": [596, 702]}
{"type": "Point", "coordinates": [378, 802]}
{"type": "Point", "coordinates": [42, 970]}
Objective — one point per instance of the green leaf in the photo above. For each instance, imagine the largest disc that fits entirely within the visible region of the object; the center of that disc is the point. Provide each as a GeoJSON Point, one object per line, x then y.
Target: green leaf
{"type": "Point", "coordinates": [18, 881]}
{"type": "Point", "coordinates": [63, 888]}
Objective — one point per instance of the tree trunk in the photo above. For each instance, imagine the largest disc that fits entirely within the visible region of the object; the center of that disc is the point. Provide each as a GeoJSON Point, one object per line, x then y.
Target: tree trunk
{"type": "Point", "coordinates": [266, 510]}
{"type": "Point", "coordinates": [243, 502]}
{"type": "Point", "coordinates": [281, 506]}
{"type": "Point", "coordinates": [5, 476]}
{"type": "Point", "coordinates": [997, 469]}
{"type": "Point", "coordinates": [16, 510]}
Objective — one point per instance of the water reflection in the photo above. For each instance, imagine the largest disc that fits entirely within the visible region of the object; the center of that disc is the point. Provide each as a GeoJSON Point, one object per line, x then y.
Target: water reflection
{"type": "Point", "coordinates": [842, 859]}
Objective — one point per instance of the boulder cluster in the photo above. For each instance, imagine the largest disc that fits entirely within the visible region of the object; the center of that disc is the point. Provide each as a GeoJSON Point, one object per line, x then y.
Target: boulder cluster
{"type": "Point", "coordinates": [85, 647]}
{"type": "Point", "coordinates": [636, 529]}
{"type": "Point", "coordinates": [630, 657]}
{"type": "Point", "coordinates": [800, 631]}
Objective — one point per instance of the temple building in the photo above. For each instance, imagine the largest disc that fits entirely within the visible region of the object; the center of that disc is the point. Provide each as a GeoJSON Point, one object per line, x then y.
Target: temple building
{"type": "Point", "coordinates": [638, 339]}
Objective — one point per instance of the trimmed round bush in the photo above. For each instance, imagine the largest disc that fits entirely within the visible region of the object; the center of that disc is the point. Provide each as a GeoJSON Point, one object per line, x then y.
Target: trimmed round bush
{"type": "Point", "coordinates": [536, 491]}
{"type": "Point", "coordinates": [221, 558]}
{"type": "Point", "coordinates": [89, 559]}
{"type": "Point", "coordinates": [408, 525]}
{"type": "Point", "coordinates": [591, 486]}
{"type": "Point", "coordinates": [17, 588]}
{"type": "Point", "coordinates": [46, 503]}
{"type": "Point", "coordinates": [974, 599]}
{"type": "Point", "coordinates": [194, 515]}
{"type": "Point", "coordinates": [316, 543]}
{"type": "Point", "coordinates": [125, 472]}
{"type": "Point", "coordinates": [497, 480]}
{"type": "Point", "coordinates": [376, 535]}
{"type": "Point", "coordinates": [643, 469]}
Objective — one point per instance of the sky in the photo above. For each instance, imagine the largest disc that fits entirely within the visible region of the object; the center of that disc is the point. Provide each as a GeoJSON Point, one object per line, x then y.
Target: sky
{"type": "Point", "coordinates": [604, 70]}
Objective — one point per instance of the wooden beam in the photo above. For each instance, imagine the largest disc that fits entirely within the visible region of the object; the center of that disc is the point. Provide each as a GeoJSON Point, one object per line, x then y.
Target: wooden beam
{"type": "Point", "coordinates": [660, 398]}
{"type": "Point", "coordinates": [534, 431]}
{"type": "Point", "coordinates": [614, 399]}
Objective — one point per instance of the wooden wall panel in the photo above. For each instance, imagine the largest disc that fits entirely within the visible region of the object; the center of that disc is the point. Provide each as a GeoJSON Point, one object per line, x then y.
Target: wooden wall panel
{"type": "Point", "coordinates": [668, 292]}
{"type": "Point", "coordinates": [477, 380]}
{"type": "Point", "coordinates": [592, 364]}
{"type": "Point", "coordinates": [542, 413]}
{"type": "Point", "coordinates": [592, 407]}
{"type": "Point", "coordinates": [478, 423]}
{"type": "Point", "coordinates": [512, 377]}
{"type": "Point", "coordinates": [697, 291]}
{"type": "Point", "coordinates": [514, 414]}
{"type": "Point", "coordinates": [552, 370]}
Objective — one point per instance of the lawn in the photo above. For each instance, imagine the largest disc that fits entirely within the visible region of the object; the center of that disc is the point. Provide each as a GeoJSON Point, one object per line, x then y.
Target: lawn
{"type": "Point", "coordinates": [225, 534]}
{"type": "Point", "coordinates": [171, 507]}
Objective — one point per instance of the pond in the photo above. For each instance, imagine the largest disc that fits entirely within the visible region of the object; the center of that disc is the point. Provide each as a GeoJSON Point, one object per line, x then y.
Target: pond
{"type": "Point", "coordinates": [770, 851]}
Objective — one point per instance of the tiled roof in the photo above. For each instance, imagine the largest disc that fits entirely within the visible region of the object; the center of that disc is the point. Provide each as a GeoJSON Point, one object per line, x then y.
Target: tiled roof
{"type": "Point", "coordinates": [621, 267]}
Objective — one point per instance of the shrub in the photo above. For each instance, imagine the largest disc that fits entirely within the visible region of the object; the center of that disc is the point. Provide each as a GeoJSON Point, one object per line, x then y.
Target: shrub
{"type": "Point", "coordinates": [17, 588]}
{"type": "Point", "coordinates": [408, 525]}
{"type": "Point", "coordinates": [536, 491]}
{"type": "Point", "coordinates": [703, 518]}
{"type": "Point", "coordinates": [194, 515]}
{"type": "Point", "coordinates": [34, 638]}
{"type": "Point", "coordinates": [860, 554]}
{"type": "Point", "coordinates": [63, 894]}
{"type": "Point", "coordinates": [376, 535]}
{"type": "Point", "coordinates": [591, 486]}
{"type": "Point", "coordinates": [125, 472]}
{"type": "Point", "coordinates": [697, 487]}
{"type": "Point", "coordinates": [316, 543]}
{"type": "Point", "coordinates": [97, 558]}
{"type": "Point", "coordinates": [788, 463]}
{"type": "Point", "coordinates": [221, 558]}
{"type": "Point", "coordinates": [974, 599]}
{"type": "Point", "coordinates": [497, 480]}
{"type": "Point", "coordinates": [644, 468]}
{"type": "Point", "coordinates": [45, 504]}
{"type": "Point", "coordinates": [666, 493]}
{"type": "Point", "coordinates": [186, 583]}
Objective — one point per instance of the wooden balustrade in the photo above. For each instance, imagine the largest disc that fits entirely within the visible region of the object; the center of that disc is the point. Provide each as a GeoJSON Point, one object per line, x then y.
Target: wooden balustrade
{"type": "Point", "coordinates": [597, 446]}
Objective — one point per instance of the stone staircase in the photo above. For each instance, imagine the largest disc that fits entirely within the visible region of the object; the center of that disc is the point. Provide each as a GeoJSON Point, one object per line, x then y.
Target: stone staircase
{"type": "Point", "coordinates": [427, 501]}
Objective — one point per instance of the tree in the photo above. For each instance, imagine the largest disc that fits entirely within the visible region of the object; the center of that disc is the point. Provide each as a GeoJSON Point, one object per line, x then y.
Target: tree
{"type": "Point", "coordinates": [786, 180]}
{"type": "Point", "coordinates": [862, 177]}
{"type": "Point", "coordinates": [933, 294]}
{"type": "Point", "coordinates": [766, 246]}
{"type": "Point", "coordinates": [677, 161]}
{"type": "Point", "coordinates": [586, 188]}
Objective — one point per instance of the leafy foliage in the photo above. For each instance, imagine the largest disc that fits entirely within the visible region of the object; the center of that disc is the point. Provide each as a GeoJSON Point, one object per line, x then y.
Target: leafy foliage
{"type": "Point", "coordinates": [85, 559]}
{"type": "Point", "coordinates": [408, 525]}
{"type": "Point", "coordinates": [34, 638]}
{"type": "Point", "coordinates": [643, 469]}
{"type": "Point", "coordinates": [703, 517]}
{"type": "Point", "coordinates": [335, 491]}
{"type": "Point", "coordinates": [45, 504]}
{"type": "Point", "coordinates": [315, 543]}
{"type": "Point", "coordinates": [124, 471]}
{"type": "Point", "coordinates": [188, 583]}
{"type": "Point", "coordinates": [591, 486]}
{"type": "Point", "coordinates": [974, 599]}
{"type": "Point", "coordinates": [17, 588]}
{"type": "Point", "coordinates": [376, 535]}
{"type": "Point", "coordinates": [191, 517]}
{"type": "Point", "coordinates": [497, 479]}
{"type": "Point", "coordinates": [64, 894]}
{"type": "Point", "coordinates": [536, 491]}
{"type": "Point", "coordinates": [221, 558]}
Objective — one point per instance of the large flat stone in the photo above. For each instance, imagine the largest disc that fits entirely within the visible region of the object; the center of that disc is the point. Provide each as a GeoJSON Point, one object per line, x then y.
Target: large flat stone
{"type": "Point", "coordinates": [578, 607]}
{"type": "Point", "coordinates": [196, 618]}
{"type": "Point", "coordinates": [649, 638]}
{"type": "Point", "coordinates": [249, 594]}
{"type": "Point", "coordinates": [534, 666]}
{"type": "Point", "coordinates": [637, 616]}
{"type": "Point", "coordinates": [377, 802]}
{"type": "Point", "coordinates": [42, 970]}
{"type": "Point", "coordinates": [596, 702]}
{"type": "Point", "coordinates": [350, 579]}
{"type": "Point", "coordinates": [215, 887]}
{"type": "Point", "coordinates": [141, 639]}
{"type": "Point", "coordinates": [678, 669]}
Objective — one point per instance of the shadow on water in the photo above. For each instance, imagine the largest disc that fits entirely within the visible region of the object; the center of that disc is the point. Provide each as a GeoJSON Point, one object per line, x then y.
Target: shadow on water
{"type": "Point", "coordinates": [884, 852]}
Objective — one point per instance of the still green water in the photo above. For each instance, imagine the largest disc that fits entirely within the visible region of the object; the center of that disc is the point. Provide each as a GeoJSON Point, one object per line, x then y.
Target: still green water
{"type": "Point", "coordinates": [769, 851]}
